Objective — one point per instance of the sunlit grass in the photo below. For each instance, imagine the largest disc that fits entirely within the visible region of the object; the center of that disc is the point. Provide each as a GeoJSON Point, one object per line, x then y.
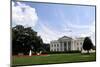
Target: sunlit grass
{"type": "Point", "coordinates": [53, 58]}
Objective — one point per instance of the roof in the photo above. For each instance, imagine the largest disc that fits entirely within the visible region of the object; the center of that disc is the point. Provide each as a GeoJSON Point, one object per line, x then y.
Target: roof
{"type": "Point", "coordinates": [64, 37]}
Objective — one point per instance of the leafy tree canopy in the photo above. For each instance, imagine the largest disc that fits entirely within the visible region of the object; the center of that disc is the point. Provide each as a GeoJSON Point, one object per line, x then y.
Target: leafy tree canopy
{"type": "Point", "coordinates": [87, 45]}
{"type": "Point", "coordinates": [25, 39]}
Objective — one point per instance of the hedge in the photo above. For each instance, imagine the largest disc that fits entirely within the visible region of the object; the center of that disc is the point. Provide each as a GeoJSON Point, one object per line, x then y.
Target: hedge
{"type": "Point", "coordinates": [60, 52]}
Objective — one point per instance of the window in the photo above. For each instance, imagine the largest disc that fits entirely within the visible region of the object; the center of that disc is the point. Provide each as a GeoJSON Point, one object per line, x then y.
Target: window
{"type": "Point", "coordinates": [81, 43]}
{"type": "Point", "coordinates": [54, 49]}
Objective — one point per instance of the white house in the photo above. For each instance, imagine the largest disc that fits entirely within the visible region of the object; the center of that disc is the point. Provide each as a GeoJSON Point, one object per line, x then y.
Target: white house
{"type": "Point", "coordinates": [67, 44]}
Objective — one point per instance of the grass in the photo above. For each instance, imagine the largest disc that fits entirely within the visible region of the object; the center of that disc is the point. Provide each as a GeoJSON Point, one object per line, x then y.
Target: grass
{"type": "Point", "coordinates": [53, 58]}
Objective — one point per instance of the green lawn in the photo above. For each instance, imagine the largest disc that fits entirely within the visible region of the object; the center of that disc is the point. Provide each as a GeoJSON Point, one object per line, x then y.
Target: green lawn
{"type": "Point", "coordinates": [53, 58]}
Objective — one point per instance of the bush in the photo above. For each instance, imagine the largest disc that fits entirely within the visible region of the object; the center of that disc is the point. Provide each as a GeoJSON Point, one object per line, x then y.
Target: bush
{"type": "Point", "coordinates": [60, 52]}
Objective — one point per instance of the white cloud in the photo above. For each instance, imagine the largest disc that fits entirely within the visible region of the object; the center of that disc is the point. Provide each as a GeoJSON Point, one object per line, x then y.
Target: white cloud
{"type": "Point", "coordinates": [90, 33]}
{"type": "Point", "coordinates": [92, 28]}
{"type": "Point", "coordinates": [93, 32]}
{"type": "Point", "coordinates": [78, 26]}
{"type": "Point", "coordinates": [81, 30]}
{"type": "Point", "coordinates": [47, 34]}
{"type": "Point", "coordinates": [23, 14]}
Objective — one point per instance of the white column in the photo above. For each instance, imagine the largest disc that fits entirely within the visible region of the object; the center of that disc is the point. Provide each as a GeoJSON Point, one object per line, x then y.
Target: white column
{"type": "Point", "coordinates": [63, 46]}
{"type": "Point", "coordinates": [56, 46]}
{"type": "Point", "coordinates": [67, 45]}
{"type": "Point", "coordinates": [53, 47]}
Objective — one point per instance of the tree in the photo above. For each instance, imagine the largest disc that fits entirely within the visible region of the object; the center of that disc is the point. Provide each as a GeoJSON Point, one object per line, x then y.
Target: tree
{"type": "Point", "coordinates": [25, 39]}
{"type": "Point", "coordinates": [87, 45]}
{"type": "Point", "coordinates": [17, 46]}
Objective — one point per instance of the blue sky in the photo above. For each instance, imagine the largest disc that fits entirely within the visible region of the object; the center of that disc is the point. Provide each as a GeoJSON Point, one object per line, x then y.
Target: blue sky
{"type": "Point", "coordinates": [52, 21]}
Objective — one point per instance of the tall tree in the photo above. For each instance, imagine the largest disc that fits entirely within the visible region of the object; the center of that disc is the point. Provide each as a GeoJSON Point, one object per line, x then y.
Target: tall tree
{"type": "Point", "coordinates": [25, 39]}
{"type": "Point", "coordinates": [87, 45]}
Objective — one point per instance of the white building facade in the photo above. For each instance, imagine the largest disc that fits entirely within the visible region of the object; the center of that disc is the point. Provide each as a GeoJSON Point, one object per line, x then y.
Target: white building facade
{"type": "Point", "coordinates": [67, 44]}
